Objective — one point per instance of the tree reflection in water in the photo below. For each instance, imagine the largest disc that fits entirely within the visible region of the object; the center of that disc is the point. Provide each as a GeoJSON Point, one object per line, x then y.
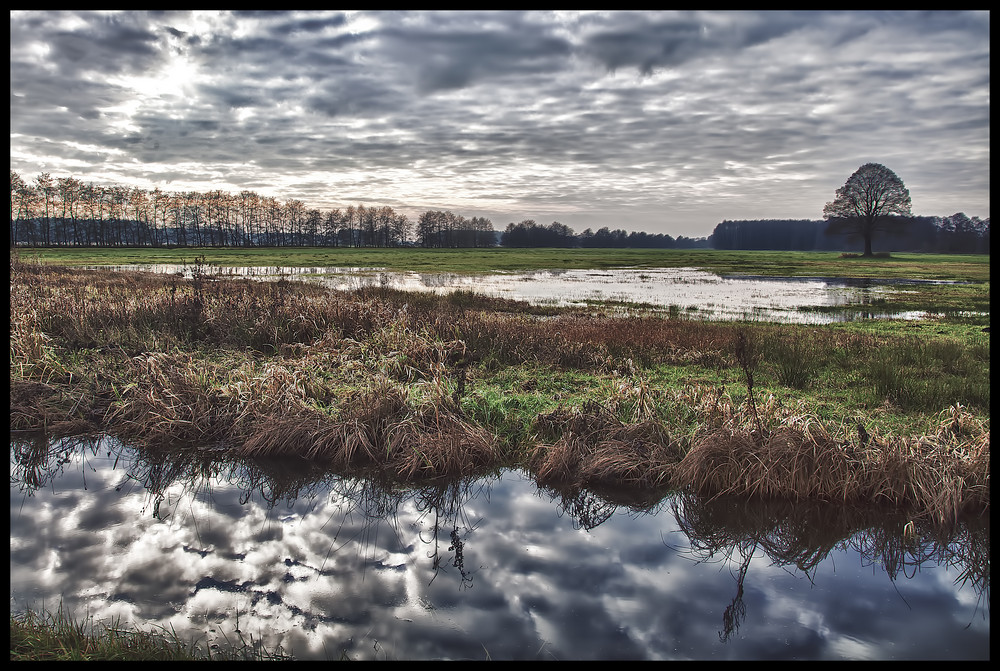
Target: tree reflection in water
{"type": "Point", "coordinates": [803, 534]}
{"type": "Point", "coordinates": [795, 535]}
{"type": "Point", "coordinates": [800, 534]}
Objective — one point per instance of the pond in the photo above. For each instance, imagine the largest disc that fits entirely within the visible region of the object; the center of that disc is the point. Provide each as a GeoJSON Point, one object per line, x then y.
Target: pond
{"type": "Point", "coordinates": [495, 568]}
{"type": "Point", "coordinates": [683, 291]}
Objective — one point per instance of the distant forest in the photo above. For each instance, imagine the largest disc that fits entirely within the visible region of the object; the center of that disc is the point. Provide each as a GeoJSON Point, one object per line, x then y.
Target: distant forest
{"type": "Point", "coordinates": [956, 234]}
{"type": "Point", "coordinates": [66, 212]}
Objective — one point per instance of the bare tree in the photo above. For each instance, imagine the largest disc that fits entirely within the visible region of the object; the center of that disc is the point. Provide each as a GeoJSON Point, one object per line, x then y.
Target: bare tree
{"type": "Point", "coordinates": [47, 191]}
{"type": "Point", "coordinates": [138, 201]}
{"type": "Point", "coordinates": [331, 227]}
{"type": "Point", "coordinates": [160, 201]}
{"type": "Point", "coordinates": [69, 189]}
{"type": "Point", "coordinates": [401, 227]}
{"type": "Point", "coordinates": [24, 201]}
{"type": "Point", "coordinates": [864, 204]}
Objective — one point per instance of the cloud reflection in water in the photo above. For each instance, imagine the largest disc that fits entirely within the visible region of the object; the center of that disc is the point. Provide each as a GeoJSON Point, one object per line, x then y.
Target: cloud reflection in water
{"type": "Point", "coordinates": [324, 565]}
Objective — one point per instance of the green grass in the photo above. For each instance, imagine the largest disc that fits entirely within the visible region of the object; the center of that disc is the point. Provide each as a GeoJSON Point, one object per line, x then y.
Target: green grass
{"type": "Point", "coordinates": [42, 636]}
{"type": "Point", "coordinates": [974, 268]}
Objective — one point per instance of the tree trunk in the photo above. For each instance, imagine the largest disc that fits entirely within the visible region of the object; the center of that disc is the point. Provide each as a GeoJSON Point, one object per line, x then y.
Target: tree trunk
{"type": "Point", "coordinates": [869, 231]}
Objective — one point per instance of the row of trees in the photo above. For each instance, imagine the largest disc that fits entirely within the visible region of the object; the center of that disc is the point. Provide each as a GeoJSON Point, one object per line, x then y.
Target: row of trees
{"type": "Point", "coordinates": [619, 238]}
{"type": "Point", "coordinates": [874, 204]}
{"type": "Point", "coordinates": [956, 234]}
{"type": "Point", "coordinates": [447, 229]}
{"type": "Point", "coordinates": [64, 211]}
{"type": "Point", "coordinates": [530, 234]}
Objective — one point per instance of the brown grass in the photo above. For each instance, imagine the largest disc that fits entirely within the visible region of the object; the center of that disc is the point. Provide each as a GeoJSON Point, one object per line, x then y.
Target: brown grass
{"type": "Point", "coordinates": [940, 476]}
{"type": "Point", "coordinates": [375, 380]}
{"type": "Point", "coordinates": [595, 448]}
{"type": "Point", "coordinates": [379, 431]}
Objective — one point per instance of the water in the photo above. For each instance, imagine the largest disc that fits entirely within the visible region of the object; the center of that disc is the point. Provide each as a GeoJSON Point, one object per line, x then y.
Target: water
{"type": "Point", "coordinates": [687, 291]}
{"type": "Point", "coordinates": [496, 568]}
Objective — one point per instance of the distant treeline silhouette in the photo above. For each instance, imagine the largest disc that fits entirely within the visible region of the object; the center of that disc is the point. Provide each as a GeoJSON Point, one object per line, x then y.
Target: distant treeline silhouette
{"type": "Point", "coordinates": [530, 234]}
{"type": "Point", "coordinates": [957, 234]}
{"type": "Point", "coordinates": [66, 212]}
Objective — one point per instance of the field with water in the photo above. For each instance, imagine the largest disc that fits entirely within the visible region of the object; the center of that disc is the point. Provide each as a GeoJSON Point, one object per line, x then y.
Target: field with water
{"type": "Point", "coordinates": [606, 403]}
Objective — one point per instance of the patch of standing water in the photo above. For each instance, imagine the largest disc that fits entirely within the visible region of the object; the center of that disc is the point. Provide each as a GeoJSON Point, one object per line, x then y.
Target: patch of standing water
{"type": "Point", "coordinates": [495, 568]}
{"type": "Point", "coordinates": [682, 291]}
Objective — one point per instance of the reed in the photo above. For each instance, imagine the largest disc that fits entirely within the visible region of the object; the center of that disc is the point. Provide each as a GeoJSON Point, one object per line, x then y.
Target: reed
{"type": "Point", "coordinates": [592, 447]}
{"type": "Point", "coordinates": [381, 430]}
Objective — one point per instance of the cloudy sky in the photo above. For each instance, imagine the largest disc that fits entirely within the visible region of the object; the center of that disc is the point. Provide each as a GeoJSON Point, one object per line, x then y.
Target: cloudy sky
{"type": "Point", "coordinates": [657, 121]}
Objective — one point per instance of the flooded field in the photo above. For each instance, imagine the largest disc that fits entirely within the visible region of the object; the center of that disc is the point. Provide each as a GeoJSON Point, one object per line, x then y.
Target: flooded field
{"type": "Point", "coordinates": [681, 291]}
{"type": "Point", "coordinates": [496, 568]}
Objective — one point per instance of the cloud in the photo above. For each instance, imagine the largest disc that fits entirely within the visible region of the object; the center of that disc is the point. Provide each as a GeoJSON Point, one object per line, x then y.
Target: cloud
{"type": "Point", "coordinates": [634, 119]}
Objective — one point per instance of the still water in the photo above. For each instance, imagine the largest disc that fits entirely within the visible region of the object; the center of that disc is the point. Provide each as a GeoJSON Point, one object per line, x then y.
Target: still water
{"type": "Point", "coordinates": [496, 568]}
{"type": "Point", "coordinates": [685, 291]}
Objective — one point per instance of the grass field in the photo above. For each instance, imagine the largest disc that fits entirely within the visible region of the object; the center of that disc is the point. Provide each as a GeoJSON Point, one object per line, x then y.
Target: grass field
{"type": "Point", "coordinates": [972, 268]}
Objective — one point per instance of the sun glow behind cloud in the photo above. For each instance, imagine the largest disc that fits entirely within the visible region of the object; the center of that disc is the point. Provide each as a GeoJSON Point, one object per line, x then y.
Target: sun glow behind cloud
{"type": "Point", "coordinates": [658, 121]}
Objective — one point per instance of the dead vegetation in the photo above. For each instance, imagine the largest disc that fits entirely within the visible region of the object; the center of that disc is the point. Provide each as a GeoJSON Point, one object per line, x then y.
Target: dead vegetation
{"type": "Point", "coordinates": [379, 431]}
{"type": "Point", "coordinates": [941, 475]}
{"type": "Point", "coordinates": [595, 448]}
{"type": "Point", "coordinates": [378, 381]}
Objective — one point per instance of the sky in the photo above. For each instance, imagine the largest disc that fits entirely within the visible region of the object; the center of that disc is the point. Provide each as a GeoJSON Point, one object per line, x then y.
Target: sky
{"type": "Point", "coordinates": [665, 122]}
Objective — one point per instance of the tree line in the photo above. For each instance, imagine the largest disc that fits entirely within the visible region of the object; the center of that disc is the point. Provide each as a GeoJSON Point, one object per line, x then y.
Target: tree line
{"type": "Point", "coordinates": [64, 211]}
{"type": "Point", "coordinates": [528, 233]}
{"type": "Point", "coordinates": [955, 234]}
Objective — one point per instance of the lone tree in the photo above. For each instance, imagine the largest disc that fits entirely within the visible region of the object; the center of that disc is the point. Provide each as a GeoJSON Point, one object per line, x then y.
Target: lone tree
{"type": "Point", "coordinates": [864, 204]}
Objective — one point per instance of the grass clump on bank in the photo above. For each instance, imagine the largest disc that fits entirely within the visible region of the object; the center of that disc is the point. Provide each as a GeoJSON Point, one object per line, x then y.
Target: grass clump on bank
{"type": "Point", "coordinates": [419, 386]}
{"type": "Point", "coordinates": [43, 636]}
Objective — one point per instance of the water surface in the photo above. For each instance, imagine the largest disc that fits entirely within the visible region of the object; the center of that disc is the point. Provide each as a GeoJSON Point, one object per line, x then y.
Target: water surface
{"type": "Point", "coordinates": [495, 568]}
{"type": "Point", "coordinates": [684, 291]}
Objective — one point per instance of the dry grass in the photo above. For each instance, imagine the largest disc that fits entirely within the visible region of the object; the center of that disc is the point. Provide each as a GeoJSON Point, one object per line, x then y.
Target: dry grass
{"type": "Point", "coordinates": [381, 432]}
{"type": "Point", "coordinates": [375, 380]}
{"type": "Point", "coordinates": [594, 447]}
{"type": "Point", "coordinates": [940, 476]}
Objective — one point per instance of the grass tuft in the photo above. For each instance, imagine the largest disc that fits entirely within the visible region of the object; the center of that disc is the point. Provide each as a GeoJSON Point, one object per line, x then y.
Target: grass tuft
{"type": "Point", "coordinates": [43, 636]}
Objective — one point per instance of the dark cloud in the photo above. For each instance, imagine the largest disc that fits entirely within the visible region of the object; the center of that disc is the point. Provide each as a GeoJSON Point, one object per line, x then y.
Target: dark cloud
{"type": "Point", "coordinates": [108, 45]}
{"type": "Point", "coordinates": [649, 42]}
{"type": "Point", "coordinates": [455, 59]}
{"type": "Point", "coordinates": [234, 96]}
{"type": "Point", "coordinates": [352, 96]}
{"type": "Point", "coordinates": [307, 24]}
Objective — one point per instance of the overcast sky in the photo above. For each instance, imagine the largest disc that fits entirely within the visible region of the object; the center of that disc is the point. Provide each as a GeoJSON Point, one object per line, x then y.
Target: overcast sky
{"type": "Point", "coordinates": [657, 121]}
